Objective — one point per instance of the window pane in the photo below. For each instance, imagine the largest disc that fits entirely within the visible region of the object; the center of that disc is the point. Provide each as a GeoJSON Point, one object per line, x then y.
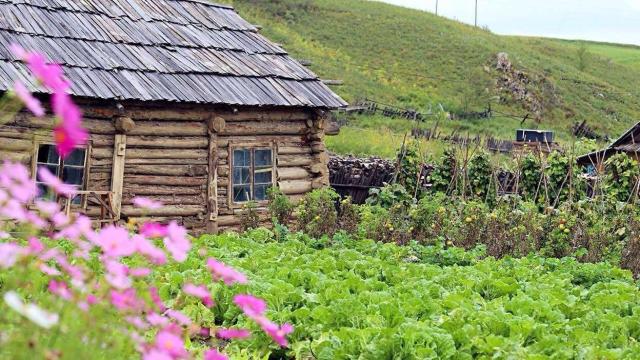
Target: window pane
{"type": "Point", "coordinates": [262, 177]}
{"type": "Point", "coordinates": [241, 157]}
{"type": "Point", "coordinates": [75, 158]}
{"type": "Point", "coordinates": [263, 157]}
{"type": "Point", "coordinates": [241, 175]}
{"type": "Point", "coordinates": [260, 192]}
{"type": "Point", "coordinates": [52, 168]}
{"type": "Point", "coordinates": [241, 193]}
{"type": "Point", "coordinates": [72, 175]}
{"type": "Point", "coordinates": [47, 154]}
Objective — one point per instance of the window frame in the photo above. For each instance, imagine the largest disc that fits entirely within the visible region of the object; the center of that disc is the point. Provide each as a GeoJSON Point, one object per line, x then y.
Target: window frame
{"type": "Point", "coordinates": [252, 147]}
{"type": "Point", "coordinates": [85, 176]}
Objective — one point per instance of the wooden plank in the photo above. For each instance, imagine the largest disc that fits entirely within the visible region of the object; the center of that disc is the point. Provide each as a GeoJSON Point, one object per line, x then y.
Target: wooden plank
{"type": "Point", "coordinates": [253, 128]}
{"type": "Point", "coordinates": [16, 145]}
{"type": "Point", "coordinates": [117, 177]}
{"type": "Point", "coordinates": [293, 173]}
{"type": "Point", "coordinates": [151, 190]}
{"type": "Point", "coordinates": [164, 180]}
{"type": "Point", "coordinates": [212, 185]}
{"type": "Point", "coordinates": [169, 199]}
{"type": "Point", "coordinates": [295, 187]}
{"type": "Point", "coordinates": [170, 170]}
{"type": "Point", "coordinates": [167, 128]}
{"type": "Point", "coordinates": [294, 160]}
{"type": "Point", "coordinates": [158, 142]}
{"type": "Point", "coordinates": [168, 211]}
{"type": "Point", "coordinates": [164, 154]}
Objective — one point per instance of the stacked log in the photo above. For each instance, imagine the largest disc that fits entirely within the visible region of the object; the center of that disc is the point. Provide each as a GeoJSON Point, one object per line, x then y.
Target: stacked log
{"type": "Point", "coordinates": [354, 177]}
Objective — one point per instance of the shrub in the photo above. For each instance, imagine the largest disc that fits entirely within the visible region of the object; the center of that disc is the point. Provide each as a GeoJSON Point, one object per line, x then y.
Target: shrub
{"type": "Point", "coordinates": [317, 214]}
{"type": "Point", "coordinates": [280, 207]}
{"type": "Point", "coordinates": [249, 219]}
{"type": "Point", "coordinates": [348, 216]}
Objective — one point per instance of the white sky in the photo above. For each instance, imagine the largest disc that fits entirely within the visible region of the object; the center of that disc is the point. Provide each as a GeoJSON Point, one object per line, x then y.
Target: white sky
{"type": "Point", "coordinates": [601, 20]}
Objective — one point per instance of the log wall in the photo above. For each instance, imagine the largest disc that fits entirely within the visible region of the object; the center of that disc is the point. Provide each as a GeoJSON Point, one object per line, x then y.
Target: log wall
{"type": "Point", "coordinates": [169, 151]}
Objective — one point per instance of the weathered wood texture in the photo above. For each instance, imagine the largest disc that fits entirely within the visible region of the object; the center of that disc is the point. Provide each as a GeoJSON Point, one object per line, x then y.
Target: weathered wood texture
{"type": "Point", "coordinates": [169, 153]}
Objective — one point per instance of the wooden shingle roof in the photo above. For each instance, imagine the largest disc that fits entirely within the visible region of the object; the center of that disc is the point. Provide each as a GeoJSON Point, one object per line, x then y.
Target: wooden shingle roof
{"type": "Point", "coordinates": [156, 50]}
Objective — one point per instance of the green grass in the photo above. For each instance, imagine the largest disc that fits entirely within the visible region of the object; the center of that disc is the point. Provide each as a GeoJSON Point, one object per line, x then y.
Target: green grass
{"type": "Point", "coordinates": [415, 59]}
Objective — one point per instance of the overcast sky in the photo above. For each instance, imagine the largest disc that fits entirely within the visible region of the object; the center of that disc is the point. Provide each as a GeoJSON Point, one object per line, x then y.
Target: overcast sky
{"type": "Point", "coordinates": [600, 20]}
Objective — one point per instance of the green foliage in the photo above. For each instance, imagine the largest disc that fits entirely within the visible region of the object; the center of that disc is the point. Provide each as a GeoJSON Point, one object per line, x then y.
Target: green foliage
{"type": "Point", "coordinates": [249, 219]}
{"type": "Point", "coordinates": [390, 195]}
{"type": "Point", "coordinates": [622, 174]}
{"type": "Point", "coordinates": [371, 300]}
{"type": "Point", "coordinates": [410, 164]}
{"type": "Point", "coordinates": [317, 213]}
{"type": "Point", "coordinates": [445, 176]}
{"type": "Point", "coordinates": [280, 207]}
{"type": "Point", "coordinates": [480, 176]}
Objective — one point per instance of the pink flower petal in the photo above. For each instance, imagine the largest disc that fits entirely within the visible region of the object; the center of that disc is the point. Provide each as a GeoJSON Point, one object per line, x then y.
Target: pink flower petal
{"type": "Point", "coordinates": [27, 99]}
{"type": "Point", "coordinates": [220, 271]}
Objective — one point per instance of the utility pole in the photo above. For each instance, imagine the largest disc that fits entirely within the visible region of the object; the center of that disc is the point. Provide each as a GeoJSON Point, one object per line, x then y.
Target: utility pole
{"type": "Point", "coordinates": [436, 7]}
{"type": "Point", "coordinates": [476, 13]}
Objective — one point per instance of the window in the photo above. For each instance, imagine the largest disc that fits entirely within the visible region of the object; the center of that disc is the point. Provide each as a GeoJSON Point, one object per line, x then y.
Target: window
{"type": "Point", "coordinates": [252, 174]}
{"type": "Point", "coordinates": [70, 170]}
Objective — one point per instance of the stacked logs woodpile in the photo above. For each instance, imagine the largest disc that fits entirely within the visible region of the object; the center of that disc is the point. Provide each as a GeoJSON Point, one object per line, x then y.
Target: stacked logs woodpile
{"type": "Point", "coordinates": [354, 177]}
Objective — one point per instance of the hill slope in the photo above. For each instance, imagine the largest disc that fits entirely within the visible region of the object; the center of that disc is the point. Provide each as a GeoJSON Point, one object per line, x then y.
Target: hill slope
{"type": "Point", "coordinates": [415, 59]}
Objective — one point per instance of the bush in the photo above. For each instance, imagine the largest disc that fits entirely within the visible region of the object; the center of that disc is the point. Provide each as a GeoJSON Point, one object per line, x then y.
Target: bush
{"type": "Point", "coordinates": [280, 207]}
{"type": "Point", "coordinates": [317, 214]}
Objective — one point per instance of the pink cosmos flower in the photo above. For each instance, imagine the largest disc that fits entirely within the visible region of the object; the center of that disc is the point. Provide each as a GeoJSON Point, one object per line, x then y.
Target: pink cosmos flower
{"type": "Point", "coordinates": [153, 230]}
{"type": "Point", "coordinates": [146, 248]}
{"type": "Point", "coordinates": [137, 322]}
{"type": "Point", "coordinates": [115, 242]}
{"type": "Point", "coordinates": [60, 289]}
{"type": "Point", "coordinates": [55, 183]}
{"type": "Point", "coordinates": [68, 133]}
{"type": "Point", "coordinates": [15, 179]}
{"type": "Point", "coordinates": [250, 305]}
{"type": "Point", "coordinates": [176, 242]}
{"type": "Point", "coordinates": [179, 317]}
{"type": "Point", "coordinates": [126, 300]}
{"type": "Point", "coordinates": [140, 272]}
{"type": "Point", "coordinates": [4, 235]}
{"type": "Point", "coordinates": [229, 334]}
{"type": "Point", "coordinates": [117, 275]}
{"type": "Point", "coordinates": [155, 298]}
{"type": "Point", "coordinates": [50, 75]}
{"type": "Point", "coordinates": [220, 271]}
{"type": "Point", "coordinates": [146, 203]}
{"type": "Point", "coordinates": [155, 354]}
{"type": "Point", "coordinates": [27, 99]}
{"type": "Point", "coordinates": [9, 254]}
{"type": "Point", "coordinates": [48, 270]}
{"type": "Point", "coordinates": [157, 320]}
{"type": "Point", "coordinates": [277, 333]}
{"type": "Point", "coordinates": [170, 343]}
{"type": "Point", "coordinates": [35, 246]}
{"type": "Point", "coordinates": [200, 292]}
{"type": "Point", "coordinates": [213, 354]}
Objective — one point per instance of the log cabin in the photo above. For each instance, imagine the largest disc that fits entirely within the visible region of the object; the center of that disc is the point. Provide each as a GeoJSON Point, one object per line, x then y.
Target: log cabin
{"type": "Point", "coordinates": [185, 101]}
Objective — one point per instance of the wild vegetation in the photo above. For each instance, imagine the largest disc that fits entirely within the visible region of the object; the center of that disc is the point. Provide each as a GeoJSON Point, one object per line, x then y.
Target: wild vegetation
{"type": "Point", "coordinates": [416, 60]}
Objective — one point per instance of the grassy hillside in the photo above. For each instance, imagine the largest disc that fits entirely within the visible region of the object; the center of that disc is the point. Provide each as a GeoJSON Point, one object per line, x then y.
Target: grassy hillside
{"type": "Point", "coordinates": [415, 59]}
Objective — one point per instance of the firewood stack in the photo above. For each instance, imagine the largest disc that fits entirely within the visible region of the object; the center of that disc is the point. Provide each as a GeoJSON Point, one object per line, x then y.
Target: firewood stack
{"type": "Point", "coordinates": [354, 177]}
